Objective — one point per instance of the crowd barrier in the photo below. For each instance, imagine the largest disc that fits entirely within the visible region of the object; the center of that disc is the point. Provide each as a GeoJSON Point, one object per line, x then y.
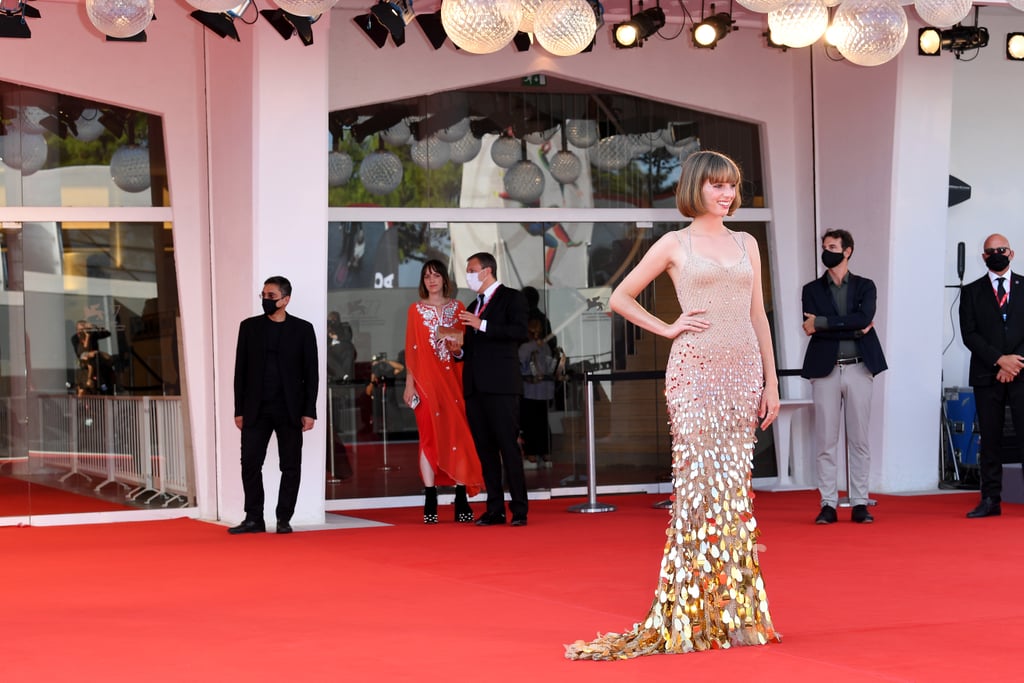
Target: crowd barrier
{"type": "Point", "coordinates": [136, 442]}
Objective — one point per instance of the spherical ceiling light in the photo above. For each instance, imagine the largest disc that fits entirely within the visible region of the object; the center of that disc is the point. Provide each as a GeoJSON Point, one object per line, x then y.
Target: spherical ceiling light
{"type": "Point", "coordinates": [25, 152]}
{"type": "Point", "coordinates": [120, 18]}
{"type": "Point", "coordinates": [215, 6]}
{"type": "Point", "coordinates": [870, 32]}
{"type": "Point", "coordinates": [798, 23]}
{"type": "Point", "coordinates": [529, 11]}
{"type": "Point", "coordinates": [29, 118]}
{"type": "Point", "coordinates": [88, 125]}
{"type": "Point", "coordinates": [339, 169]}
{"type": "Point", "coordinates": [481, 26]}
{"type": "Point", "coordinates": [454, 132]}
{"type": "Point", "coordinates": [397, 134]}
{"type": "Point", "coordinates": [305, 8]}
{"type": "Point", "coordinates": [612, 153]}
{"type": "Point", "coordinates": [505, 151]}
{"type": "Point", "coordinates": [466, 149]}
{"type": "Point", "coordinates": [431, 153]}
{"type": "Point", "coordinates": [129, 168]}
{"type": "Point", "coordinates": [942, 12]}
{"type": "Point", "coordinates": [764, 6]}
{"type": "Point", "coordinates": [565, 27]}
{"type": "Point", "coordinates": [381, 173]}
{"type": "Point", "coordinates": [524, 182]}
{"type": "Point", "coordinates": [581, 133]}
{"type": "Point", "coordinates": [565, 167]}
{"type": "Point", "coordinates": [642, 143]}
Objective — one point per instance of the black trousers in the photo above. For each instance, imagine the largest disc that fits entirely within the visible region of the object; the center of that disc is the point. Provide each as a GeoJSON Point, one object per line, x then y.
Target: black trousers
{"type": "Point", "coordinates": [536, 430]}
{"type": "Point", "coordinates": [272, 419]}
{"type": "Point", "coordinates": [494, 422]}
{"type": "Point", "coordinates": [991, 402]}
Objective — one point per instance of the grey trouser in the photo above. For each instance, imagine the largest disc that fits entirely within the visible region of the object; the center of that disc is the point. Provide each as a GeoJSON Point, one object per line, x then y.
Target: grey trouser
{"type": "Point", "coordinates": [849, 387]}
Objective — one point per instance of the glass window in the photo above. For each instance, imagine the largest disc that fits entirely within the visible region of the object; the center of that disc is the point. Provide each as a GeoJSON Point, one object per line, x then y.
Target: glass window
{"type": "Point", "coordinates": [508, 146]}
{"type": "Point", "coordinates": [59, 150]}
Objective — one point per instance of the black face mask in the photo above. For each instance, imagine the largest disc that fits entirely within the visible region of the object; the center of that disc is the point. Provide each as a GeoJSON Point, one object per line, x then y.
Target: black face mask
{"type": "Point", "coordinates": [997, 263]}
{"type": "Point", "coordinates": [831, 259]}
{"type": "Point", "coordinates": [270, 306]}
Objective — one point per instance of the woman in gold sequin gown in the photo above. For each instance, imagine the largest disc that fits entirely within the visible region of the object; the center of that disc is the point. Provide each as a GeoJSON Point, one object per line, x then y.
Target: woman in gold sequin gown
{"type": "Point", "coordinates": [720, 381]}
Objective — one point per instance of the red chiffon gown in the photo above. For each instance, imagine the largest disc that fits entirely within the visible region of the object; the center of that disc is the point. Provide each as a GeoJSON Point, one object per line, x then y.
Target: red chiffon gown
{"type": "Point", "coordinates": [441, 414]}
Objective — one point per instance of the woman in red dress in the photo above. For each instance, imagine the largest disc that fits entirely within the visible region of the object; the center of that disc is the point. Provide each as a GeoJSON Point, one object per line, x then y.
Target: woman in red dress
{"type": "Point", "coordinates": [433, 388]}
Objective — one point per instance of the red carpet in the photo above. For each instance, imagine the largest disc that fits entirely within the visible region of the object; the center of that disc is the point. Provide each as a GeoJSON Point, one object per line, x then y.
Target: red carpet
{"type": "Point", "coordinates": [921, 595]}
{"type": "Point", "coordinates": [18, 498]}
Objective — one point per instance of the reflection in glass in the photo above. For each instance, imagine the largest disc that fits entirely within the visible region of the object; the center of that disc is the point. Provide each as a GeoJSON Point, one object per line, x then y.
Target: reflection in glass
{"type": "Point", "coordinates": [90, 413]}
{"type": "Point", "coordinates": [59, 150]}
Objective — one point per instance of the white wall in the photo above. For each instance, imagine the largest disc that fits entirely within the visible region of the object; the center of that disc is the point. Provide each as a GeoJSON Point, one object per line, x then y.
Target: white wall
{"type": "Point", "coordinates": [986, 146]}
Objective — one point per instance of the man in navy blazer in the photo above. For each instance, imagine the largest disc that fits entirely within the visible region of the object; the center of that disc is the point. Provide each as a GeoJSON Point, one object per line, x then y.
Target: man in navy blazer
{"type": "Point", "coordinates": [493, 384]}
{"type": "Point", "coordinates": [992, 327]}
{"type": "Point", "coordinates": [842, 359]}
{"type": "Point", "coordinates": [276, 383]}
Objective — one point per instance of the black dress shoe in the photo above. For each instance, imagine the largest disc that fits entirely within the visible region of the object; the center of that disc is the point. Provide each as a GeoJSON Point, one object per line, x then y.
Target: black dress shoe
{"type": "Point", "coordinates": [988, 507]}
{"type": "Point", "coordinates": [284, 528]}
{"type": "Point", "coordinates": [860, 515]}
{"type": "Point", "coordinates": [490, 519]}
{"type": "Point", "coordinates": [519, 521]}
{"type": "Point", "coordinates": [249, 526]}
{"type": "Point", "coordinates": [826, 516]}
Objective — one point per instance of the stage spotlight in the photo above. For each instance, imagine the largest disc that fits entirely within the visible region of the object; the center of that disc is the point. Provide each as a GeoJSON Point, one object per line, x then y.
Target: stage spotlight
{"type": "Point", "coordinates": [12, 21]}
{"type": "Point", "coordinates": [394, 16]}
{"type": "Point", "coordinates": [522, 41]}
{"type": "Point", "coordinates": [222, 23]}
{"type": "Point", "coordinates": [389, 19]}
{"type": "Point", "coordinates": [1015, 46]}
{"type": "Point", "coordinates": [288, 24]}
{"type": "Point", "coordinates": [640, 27]}
{"type": "Point", "coordinates": [432, 28]}
{"type": "Point", "coordinates": [929, 41]}
{"type": "Point", "coordinates": [708, 32]}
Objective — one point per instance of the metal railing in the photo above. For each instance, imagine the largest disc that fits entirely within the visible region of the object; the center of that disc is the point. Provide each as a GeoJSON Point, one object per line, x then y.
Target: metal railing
{"type": "Point", "coordinates": [137, 442]}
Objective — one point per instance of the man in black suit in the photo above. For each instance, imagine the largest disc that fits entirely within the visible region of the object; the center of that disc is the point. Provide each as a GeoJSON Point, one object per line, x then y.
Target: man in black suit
{"type": "Point", "coordinates": [276, 381]}
{"type": "Point", "coordinates": [842, 359]}
{"type": "Point", "coordinates": [992, 327]}
{"type": "Point", "coordinates": [492, 384]}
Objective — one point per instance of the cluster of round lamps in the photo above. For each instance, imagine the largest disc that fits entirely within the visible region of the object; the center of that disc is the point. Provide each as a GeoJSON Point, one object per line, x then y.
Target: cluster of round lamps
{"type": "Point", "coordinates": [381, 171]}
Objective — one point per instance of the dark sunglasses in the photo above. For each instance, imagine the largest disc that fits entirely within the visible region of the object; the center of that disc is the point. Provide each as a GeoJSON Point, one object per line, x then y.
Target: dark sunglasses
{"type": "Point", "coordinates": [996, 250]}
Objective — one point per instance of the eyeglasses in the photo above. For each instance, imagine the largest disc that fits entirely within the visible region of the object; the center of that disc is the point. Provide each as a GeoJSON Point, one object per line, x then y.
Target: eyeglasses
{"type": "Point", "coordinates": [996, 250]}
{"type": "Point", "coordinates": [269, 297]}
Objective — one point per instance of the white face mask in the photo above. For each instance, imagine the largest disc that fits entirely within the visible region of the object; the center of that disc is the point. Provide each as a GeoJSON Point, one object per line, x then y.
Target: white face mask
{"type": "Point", "coordinates": [473, 280]}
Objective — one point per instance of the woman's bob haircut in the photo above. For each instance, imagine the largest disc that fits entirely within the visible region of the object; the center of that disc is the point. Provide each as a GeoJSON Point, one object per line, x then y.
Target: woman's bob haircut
{"type": "Point", "coordinates": [698, 168]}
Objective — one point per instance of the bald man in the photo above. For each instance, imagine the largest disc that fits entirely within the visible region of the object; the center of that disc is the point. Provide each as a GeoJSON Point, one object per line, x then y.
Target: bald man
{"type": "Point", "coordinates": [992, 327]}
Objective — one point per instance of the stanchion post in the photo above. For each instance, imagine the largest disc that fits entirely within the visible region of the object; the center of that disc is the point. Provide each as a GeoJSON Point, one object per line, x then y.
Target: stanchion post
{"type": "Point", "coordinates": [591, 505]}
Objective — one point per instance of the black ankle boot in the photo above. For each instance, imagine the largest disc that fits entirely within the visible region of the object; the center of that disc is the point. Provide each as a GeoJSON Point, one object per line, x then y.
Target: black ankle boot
{"type": "Point", "coordinates": [430, 505]}
{"type": "Point", "coordinates": [463, 513]}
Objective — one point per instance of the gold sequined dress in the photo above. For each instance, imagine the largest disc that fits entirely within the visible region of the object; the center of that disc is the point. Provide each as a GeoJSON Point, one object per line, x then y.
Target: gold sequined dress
{"type": "Point", "coordinates": [710, 593]}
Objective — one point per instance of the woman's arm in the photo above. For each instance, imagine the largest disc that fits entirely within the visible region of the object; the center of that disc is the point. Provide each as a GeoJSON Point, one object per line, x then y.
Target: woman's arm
{"type": "Point", "coordinates": [769, 409]}
{"type": "Point", "coordinates": [657, 260]}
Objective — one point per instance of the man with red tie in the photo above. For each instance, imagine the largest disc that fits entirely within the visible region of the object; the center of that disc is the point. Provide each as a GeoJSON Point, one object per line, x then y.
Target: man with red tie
{"type": "Point", "coordinates": [992, 327]}
{"type": "Point", "coordinates": [493, 384]}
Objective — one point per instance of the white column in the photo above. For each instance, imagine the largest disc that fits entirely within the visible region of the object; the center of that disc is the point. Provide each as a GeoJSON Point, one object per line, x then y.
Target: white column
{"type": "Point", "coordinates": [268, 113]}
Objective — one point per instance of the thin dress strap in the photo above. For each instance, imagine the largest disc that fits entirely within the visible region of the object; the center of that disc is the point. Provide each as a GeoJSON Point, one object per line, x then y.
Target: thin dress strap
{"type": "Point", "coordinates": [688, 245]}
{"type": "Point", "coordinates": [738, 236]}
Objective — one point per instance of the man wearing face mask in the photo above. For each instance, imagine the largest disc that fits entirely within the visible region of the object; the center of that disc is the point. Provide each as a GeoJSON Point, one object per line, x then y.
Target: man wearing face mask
{"type": "Point", "coordinates": [992, 327]}
{"type": "Point", "coordinates": [276, 381]}
{"type": "Point", "coordinates": [841, 361]}
{"type": "Point", "coordinates": [492, 385]}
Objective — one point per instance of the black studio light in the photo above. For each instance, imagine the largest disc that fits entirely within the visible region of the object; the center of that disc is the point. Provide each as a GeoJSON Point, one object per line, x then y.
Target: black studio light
{"type": "Point", "coordinates": [288, 24]}
{"type": "Point", "coordinates": [223, 23]}
{"type": "Point", "coordinates": [389, 19]}
{"type": "Point", "coordinates": [712, 29]}
{"type": "Point", "coordinates": [432, 28]}
{"type": "Point", "coordinates": [639, 28]}
{"type": "Point", "coordinates": [12, 21]}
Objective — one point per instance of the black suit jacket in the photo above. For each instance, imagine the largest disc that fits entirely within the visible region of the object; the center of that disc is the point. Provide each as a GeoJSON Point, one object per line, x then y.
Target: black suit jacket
{"type": "Point", "coordinates": [300, 374]}
{"type": "Point", "coordinates": [983, 331]}
{"type": "Point", "coordinates": [492, 358]}
{"type": "Point", "coordinates": [823, 349]}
